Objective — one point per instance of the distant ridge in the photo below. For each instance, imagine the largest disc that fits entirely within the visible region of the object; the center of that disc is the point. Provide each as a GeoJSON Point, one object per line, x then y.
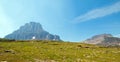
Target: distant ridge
{"type": "Point", "coordinates": [103, 39]}
{"type": "Point", "coordinates": [30, 31]}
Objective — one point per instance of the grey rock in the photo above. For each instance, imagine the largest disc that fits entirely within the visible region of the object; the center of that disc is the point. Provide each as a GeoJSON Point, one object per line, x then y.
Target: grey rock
{"type": "Point", "coordinates": [103, 39]}
{"type": "Point", "coordinates": [30, 31]}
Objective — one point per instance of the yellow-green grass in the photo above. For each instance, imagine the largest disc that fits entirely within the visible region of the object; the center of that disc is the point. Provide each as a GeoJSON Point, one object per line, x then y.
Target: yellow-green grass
{"type": "Point", "coordinates": [51, 51]}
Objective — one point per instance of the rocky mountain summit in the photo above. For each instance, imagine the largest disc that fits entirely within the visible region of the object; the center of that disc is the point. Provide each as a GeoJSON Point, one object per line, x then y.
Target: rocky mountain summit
{"type": "Point", "coordinates": [30, 31]}
{"type": "Point", "coordinates": [103, 39]}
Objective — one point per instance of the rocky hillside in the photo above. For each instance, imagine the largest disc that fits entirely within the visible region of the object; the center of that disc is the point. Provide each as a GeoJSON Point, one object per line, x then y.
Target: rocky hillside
{"type": "Point", "coordinates": [30, 31]}
{"type": "Point", "coordinates": [103, 39]}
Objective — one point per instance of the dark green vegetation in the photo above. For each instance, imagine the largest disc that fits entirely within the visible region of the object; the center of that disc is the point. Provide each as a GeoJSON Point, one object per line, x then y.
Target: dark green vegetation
{"type": "Point", "coordinates": [6, 40]}
{"type": "Point", "coordinates": [52, 51]}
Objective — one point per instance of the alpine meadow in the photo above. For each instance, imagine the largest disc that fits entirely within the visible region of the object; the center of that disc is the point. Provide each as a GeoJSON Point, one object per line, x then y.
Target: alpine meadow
{"type": "Point", "coordinates": [59, 31]}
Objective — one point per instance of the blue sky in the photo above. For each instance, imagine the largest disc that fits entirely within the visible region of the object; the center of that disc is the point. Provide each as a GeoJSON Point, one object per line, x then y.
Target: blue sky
{"type": "Point", "coordinates": [72, 20]}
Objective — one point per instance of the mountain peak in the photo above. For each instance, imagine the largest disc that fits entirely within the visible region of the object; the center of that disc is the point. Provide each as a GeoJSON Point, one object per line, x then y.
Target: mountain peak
{"type": "Point", "coordinates": [32, 26]}
{"type": "Point", "coordinates": [30, 30]}
{"type": "Point", "coordinates": [103, 39]}
{"type": "Point", "coordinates": [102, 36]}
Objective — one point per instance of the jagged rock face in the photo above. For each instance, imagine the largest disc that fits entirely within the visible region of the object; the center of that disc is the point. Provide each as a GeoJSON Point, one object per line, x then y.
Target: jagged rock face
{"type": "Point", "coordinates": [30, 30]}
{"type": "Point", "coordinates": [97, 39]}
{"type": "Point", "coordinates": [111, 41]}
{"type": "Point", "coordinates": [103, 39]}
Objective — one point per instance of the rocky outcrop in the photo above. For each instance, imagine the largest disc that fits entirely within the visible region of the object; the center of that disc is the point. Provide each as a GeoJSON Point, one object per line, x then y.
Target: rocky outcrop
{"type": "Point", "coordinates": [30, 31]}
{"type": "Point", "coordinates": [103, 39]}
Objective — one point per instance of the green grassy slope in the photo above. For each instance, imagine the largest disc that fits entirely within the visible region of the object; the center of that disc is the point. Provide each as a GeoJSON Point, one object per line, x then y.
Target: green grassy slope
{"type": "Point", "coordinates": [47, 51]}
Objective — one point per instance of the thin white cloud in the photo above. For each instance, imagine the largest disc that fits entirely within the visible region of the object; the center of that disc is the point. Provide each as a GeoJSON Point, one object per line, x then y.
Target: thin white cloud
{"type": "Point", "coordinates": [98, 13]}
